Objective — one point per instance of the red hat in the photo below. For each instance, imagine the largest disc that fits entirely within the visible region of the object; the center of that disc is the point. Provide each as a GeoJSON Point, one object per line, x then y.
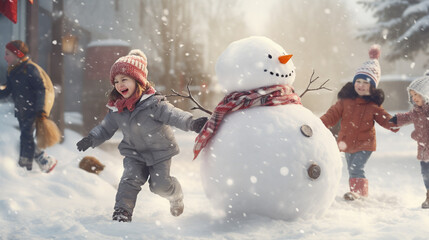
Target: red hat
{"type": "Point", "coordinates": [17, 47]}
{"type": "Point", "coordinates": [133, 65]}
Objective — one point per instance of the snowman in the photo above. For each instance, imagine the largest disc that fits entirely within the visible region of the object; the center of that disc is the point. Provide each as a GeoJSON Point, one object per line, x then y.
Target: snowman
{"type": "Point", "coordinates": [262, 152]}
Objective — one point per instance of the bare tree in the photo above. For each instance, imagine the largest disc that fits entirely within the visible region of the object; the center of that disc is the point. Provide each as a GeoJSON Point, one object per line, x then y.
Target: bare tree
{"type": "Point", "coordinates": [320, 36]}
{"type": "Point", "coordinates": [186, 38]}
{"type": "Point", "coordinates": [166, 29]}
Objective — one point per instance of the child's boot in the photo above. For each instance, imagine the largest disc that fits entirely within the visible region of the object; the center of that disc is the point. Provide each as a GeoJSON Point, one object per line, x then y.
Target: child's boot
{"type": "Point", "coordinates": [177, 206]}
{"type": "Point", "coordinates": [358, 189]}
{"type": "Point", "coordinates": [121, 215]}
{"type": "Point", "coordinates": [26, 162]}
{"type": "Point", "coordinates": [45, 162]}
{"type": "Point", "coordinates": [425, 204]}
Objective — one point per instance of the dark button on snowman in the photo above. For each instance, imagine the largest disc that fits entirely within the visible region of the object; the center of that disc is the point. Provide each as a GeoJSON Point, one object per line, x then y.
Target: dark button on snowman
{"type": "Point", "coordinates": [275, 158]}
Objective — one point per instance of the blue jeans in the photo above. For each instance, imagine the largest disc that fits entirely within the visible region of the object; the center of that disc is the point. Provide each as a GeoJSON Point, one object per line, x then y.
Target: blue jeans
{"type": "Point", "coordinates": [425, 173]}
{"type": "Point", "coordinates": [356, 163]}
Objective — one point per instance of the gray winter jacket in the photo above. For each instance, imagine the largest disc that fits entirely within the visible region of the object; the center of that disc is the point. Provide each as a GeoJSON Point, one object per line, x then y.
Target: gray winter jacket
{"type": "Point", "coordinates": [147, 133]}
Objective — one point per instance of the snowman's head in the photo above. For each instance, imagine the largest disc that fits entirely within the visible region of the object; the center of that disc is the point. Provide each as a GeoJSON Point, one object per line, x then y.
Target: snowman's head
{"type": "Point", "coordinates": [252, 63]}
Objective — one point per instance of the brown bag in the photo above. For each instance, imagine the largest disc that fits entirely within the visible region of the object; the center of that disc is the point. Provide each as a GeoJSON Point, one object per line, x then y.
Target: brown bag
{"type": "Point", "coordinates": [47, 133]}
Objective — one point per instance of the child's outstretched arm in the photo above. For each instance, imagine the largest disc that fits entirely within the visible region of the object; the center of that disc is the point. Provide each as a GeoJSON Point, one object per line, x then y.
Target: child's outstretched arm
{"type": "Point", "coordinates": [99, 134]}
{"type": "Point", "coordinates": [168, 114]}
{"type": "Point", "coordinates": [403, 118]}
{"type": "Point", "coordinates": [385, 120]}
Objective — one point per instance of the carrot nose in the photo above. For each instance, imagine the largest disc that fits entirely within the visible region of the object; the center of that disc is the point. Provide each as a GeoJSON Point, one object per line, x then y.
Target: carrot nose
{"type": "Point", "coordinates": [285, 58]}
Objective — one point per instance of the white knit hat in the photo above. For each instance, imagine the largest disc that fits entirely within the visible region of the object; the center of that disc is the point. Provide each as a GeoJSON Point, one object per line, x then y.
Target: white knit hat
{"type": "Point", "coordinates": [420, 86]}
{"type": "Point", "coordinates": [370, 70]}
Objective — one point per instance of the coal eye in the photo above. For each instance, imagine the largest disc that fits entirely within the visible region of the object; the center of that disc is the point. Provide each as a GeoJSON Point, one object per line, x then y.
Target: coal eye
{"type": "Point", "coordinates": [269, 56]}
{"type": "Point", "coordinates": [314, 171]}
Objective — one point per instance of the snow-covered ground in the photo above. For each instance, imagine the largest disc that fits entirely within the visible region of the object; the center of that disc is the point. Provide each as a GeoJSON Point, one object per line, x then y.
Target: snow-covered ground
{"type": "Point", "coordinates": [70, 203]}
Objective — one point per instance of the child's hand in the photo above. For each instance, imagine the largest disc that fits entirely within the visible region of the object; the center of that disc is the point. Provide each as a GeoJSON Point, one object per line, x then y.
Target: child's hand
{"type": "Point", "coordinates": [198, 124]}
{"type": "Point", "coordinates": [84, 144]}
{"type": "Point", "coordinates": [41, 115]}
{"type": "Point", "coordinates": [394, 120]}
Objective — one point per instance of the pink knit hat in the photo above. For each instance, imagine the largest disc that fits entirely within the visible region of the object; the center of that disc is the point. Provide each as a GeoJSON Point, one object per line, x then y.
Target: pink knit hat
{"type": "Point", "coordinates": [370, 70]}
{"type": "Point", "coordinates": [133, 65]}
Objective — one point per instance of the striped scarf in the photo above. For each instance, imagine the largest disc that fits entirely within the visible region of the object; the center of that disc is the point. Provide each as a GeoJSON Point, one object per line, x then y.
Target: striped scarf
{"type": "Point", "coordinates": [265, 96]}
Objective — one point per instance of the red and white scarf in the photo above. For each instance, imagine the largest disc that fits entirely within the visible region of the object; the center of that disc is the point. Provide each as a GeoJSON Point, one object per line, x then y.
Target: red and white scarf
{"type": "Point", "coordinates": [130, 103]}
{"type": "Point", "coordinates": [265, 96]}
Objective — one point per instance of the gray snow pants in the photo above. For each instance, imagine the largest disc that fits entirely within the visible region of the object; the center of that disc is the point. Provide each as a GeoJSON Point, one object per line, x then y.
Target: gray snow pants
{"type": "Point", "coordinates": [136, 173]}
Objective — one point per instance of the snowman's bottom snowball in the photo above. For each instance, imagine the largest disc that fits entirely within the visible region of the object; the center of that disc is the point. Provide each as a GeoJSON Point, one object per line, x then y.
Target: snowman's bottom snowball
{"type": "Point", "coordinates": [257, 164]}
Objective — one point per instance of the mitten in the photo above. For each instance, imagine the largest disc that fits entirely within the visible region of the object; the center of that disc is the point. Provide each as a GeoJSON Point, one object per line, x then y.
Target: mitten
{"type": "Point", "coordinates": [394, 119]}
{"type": "Point", "coordinates": [198, 124]}
{"type": "Point", "coordinates": [84, 144]}
{"type": "Point", "coordinates": [41, 115]}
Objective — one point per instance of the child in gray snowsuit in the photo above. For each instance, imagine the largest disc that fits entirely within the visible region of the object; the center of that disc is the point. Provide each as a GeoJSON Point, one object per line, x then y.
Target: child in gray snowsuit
{"type": "Point", "coordinates": [418, 92]}
{"type": "Point", "coordinates": [148, 145]}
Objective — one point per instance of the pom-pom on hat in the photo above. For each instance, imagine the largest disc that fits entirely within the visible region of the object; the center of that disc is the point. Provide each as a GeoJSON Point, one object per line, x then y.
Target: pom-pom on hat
{"type": "Point", "coordinates": [133, 65]}
{"type": "Point", "coordinates": [421, 86]}
{"type": "Point", "coordinates": [18, 47]}
{"type": "Point", "coordinates": [370, 70]}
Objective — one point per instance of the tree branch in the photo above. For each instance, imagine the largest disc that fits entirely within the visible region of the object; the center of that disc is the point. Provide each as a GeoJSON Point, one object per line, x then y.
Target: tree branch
{"type": "Point", "coordinates": [189, 96]}
{"type": "Point", "coordinates": [308, 89]}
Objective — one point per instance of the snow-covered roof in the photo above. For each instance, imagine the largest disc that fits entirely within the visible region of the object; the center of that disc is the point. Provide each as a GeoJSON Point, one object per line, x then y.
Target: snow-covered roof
{"type": "Point", "coordinates": [108, 42]}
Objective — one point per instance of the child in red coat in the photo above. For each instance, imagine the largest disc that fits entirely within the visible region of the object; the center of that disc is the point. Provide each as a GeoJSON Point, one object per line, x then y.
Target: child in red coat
{"type": "Point", "coordinates": [359, 107]}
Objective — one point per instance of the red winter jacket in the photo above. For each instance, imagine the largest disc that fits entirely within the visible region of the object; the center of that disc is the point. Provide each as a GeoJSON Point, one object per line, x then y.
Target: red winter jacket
{"type": "Point", "coordinates": [419, 116]}
{"type": "Point", "coordinates": [357, 117]}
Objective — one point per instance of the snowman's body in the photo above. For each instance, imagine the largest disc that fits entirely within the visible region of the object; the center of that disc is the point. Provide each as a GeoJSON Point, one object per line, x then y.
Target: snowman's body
{"type": "Point", "coordinates": [258, 160]}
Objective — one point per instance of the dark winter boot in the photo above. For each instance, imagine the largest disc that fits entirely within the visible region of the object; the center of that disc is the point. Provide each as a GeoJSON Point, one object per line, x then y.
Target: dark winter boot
{"type": "Point", "coordinates": [358, 189]}
{"type": "Point", "coordinates": [26, 162]}
{"type": "Point", "coordinates": [121, 215]}
{"type": "Point", "coordinates": [176, 207]}
{"type": "Point", "coordinates": [425, 204]}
